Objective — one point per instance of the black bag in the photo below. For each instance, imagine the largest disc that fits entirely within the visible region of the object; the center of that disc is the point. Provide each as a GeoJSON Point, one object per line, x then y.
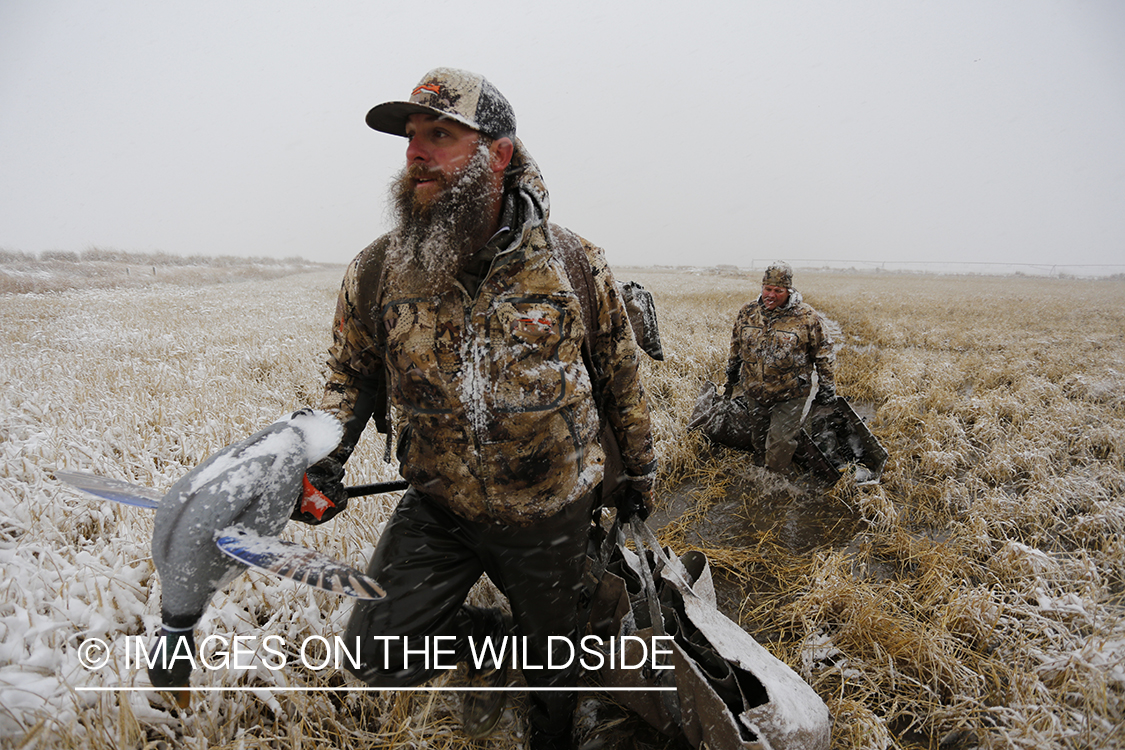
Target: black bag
{"type": "Point", "coordinates": [722, 419]}
{"type": "Point", "coordinates": [730, 692]}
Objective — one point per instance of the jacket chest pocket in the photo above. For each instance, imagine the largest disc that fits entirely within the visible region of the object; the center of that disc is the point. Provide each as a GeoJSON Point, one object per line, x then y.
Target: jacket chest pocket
{"type": "Point", "coordinates": [525, 336]}
{"type": "Point", "coordinates": [785, 348]}
{"type": "Point", "coordinates": [418, 349]}
{"type": "Point", "coordinates": [754, 343]}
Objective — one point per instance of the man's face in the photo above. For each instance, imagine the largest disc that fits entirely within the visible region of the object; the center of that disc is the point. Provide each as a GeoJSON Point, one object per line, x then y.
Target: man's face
{"type": "Point", "coordinates": [774, 297]}
{"type": "Point", "coordinates": [445, 204]}
{"type": "Point", "coordinates": [438, 150]}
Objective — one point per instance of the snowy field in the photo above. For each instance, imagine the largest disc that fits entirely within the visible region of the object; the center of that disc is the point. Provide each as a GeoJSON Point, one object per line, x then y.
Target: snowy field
{"type": "Point", "coordinates": [142, 385]}
{"type": "Point", "coordinates": [980, 605]}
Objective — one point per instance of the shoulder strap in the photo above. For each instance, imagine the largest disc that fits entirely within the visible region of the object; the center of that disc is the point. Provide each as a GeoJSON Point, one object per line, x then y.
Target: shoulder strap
{"type": "Point", "coordinates": [372, 277]}
{"type": "Point", "coordinates": [581, 276]}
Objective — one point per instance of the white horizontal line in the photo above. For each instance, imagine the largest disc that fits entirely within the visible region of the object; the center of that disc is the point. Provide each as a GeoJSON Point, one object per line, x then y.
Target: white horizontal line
{"type": "Point", "coordinates": [368, 689]}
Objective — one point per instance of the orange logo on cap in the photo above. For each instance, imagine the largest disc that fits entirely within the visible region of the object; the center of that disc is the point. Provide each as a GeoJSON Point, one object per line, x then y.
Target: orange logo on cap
{"type": "Point", "coordinates": [431, 87]}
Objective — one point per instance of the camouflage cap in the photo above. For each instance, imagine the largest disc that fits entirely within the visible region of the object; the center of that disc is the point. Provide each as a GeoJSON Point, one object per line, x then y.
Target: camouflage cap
{"type": "Point", "coordinates": [466, 97]}
{"type": "Point", "coordinates": [778, 274]}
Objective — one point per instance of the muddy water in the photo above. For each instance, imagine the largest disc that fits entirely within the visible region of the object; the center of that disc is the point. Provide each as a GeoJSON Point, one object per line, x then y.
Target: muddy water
{"type": "Point", "coordinates": [793, 510]}
{"type": "Point", "coordinates": [761, 509]}
{"type": "Point", "coordinates": [798, 518]}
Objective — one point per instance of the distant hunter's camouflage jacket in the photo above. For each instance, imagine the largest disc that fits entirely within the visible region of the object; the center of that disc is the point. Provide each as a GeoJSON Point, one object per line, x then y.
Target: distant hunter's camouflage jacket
{"type": "Point", "coordinates": [773, 353]}
{"type": "Point", "coordinates": [501, 425]}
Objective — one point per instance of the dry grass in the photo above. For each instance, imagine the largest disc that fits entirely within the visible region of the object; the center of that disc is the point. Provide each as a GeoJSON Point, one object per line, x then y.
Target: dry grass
{"type": "Point", "coordinates": [974, 597]}
{"type": "Point", "coordinates": [141, 385]}
{"type": "Point", "coordinates": [982, 605]}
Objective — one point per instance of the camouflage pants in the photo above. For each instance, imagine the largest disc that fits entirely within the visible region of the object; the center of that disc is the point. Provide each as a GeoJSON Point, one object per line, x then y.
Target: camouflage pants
{"type": "Point", "coordinates": [428, 558]}
{"type": "Point", "coordinates": [774, 428]}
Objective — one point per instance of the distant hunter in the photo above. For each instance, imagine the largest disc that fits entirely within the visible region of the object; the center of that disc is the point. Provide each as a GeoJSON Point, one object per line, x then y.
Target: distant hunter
{"type": "Point", "coordinates": [778, 342]}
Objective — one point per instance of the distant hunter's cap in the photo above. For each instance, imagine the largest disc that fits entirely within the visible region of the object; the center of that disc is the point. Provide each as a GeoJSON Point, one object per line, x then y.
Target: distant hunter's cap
{"type": "Point", "coordinates": [778, 274]}
{"type": "Point", "coordinates": [466, 97]}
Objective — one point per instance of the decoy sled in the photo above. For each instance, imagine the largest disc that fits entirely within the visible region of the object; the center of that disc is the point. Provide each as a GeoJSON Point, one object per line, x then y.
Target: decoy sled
{"type": "Point", "coordinates": [832, 439]}
{"type": "Point", "coordinates": [835, 438]}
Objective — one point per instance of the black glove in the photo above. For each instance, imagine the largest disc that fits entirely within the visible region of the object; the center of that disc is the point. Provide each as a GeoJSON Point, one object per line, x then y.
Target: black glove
{"type": "Point", "coordinates": [632, 503]}
{"type": "Point", "coordinates": [327, 478]}
{"type": "Point", "coordinates": [825, 395]}
{"type": "Point", "coordinates": [734, 374]}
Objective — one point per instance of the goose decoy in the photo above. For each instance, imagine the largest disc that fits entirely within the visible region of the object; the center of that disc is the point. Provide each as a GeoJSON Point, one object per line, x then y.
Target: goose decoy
{"type": "Point", "coordinates": [223, 516]}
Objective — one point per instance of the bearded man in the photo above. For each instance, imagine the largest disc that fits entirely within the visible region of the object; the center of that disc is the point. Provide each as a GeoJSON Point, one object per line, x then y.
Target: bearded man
{"type": "Point", "coordinates": [778, 342]}
{"type": "Point", "coordinates": [464, 321]}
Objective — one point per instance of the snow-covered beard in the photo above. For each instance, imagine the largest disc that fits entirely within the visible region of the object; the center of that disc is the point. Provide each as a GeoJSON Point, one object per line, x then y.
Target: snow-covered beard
{"type": "Point", "coordinates": [435, 239]}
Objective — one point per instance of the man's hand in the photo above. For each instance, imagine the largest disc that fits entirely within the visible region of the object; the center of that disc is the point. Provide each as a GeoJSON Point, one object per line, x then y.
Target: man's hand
{"type": "Point", "coordinates": [632, 503]}
{"type": "Point", "coordinates": [324, 495]}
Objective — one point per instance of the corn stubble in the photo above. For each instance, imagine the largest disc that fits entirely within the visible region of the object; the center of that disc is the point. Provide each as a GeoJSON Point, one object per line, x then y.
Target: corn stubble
{"type": "Point", "coordinates": [973, 598]}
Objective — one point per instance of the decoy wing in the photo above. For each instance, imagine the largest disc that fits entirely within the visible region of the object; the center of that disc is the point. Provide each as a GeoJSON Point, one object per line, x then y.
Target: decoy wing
{"type": "Point", "coordinates": [111, 489]}
{"type": "Point", "coordinates": [294, 561]}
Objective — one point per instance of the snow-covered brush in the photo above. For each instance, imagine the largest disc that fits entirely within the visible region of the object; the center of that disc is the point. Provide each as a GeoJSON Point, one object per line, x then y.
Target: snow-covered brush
{"type": "Point", "coordinates": [1001, 400]}
{"type": "Point", "coordinates": [224, 516]}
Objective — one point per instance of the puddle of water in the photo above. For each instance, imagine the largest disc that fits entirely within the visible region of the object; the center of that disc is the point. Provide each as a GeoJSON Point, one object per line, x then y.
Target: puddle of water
{"type": "Point", "coordinates": [797, 518]}
{"type": "Point", "coordinates": [800, 519]}
{"type": "Point", "coordinates": [865, 410]}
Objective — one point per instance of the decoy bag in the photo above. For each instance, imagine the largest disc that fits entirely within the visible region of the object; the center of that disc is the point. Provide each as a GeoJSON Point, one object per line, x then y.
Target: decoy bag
{"type": "Point", "coordinates": [730, 692]}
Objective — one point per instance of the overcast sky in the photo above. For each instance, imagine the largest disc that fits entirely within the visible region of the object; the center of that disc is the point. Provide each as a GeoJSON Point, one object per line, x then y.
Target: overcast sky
{"type": "Point", "coordinates": [727, 133]}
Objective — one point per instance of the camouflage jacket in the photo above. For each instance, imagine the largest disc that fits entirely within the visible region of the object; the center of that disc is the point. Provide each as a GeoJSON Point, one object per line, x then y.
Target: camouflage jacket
{"type": "Point", "coordinates": [501, 424]}
{"type": "Point", "coordinates": [773, 352]}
